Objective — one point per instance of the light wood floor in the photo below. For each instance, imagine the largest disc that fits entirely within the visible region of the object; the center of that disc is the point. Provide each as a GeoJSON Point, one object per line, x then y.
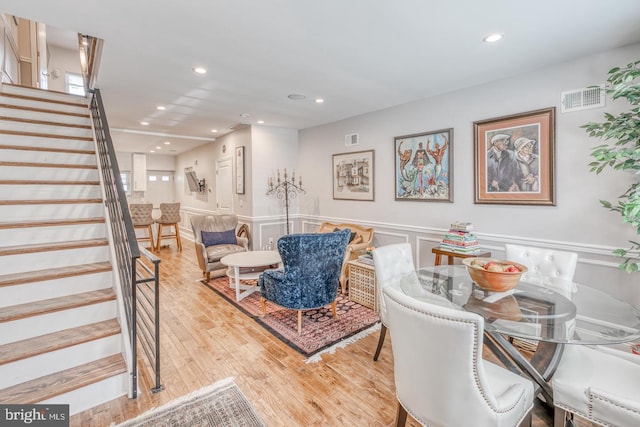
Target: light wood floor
{"type": "Point", "coordinates": [205, 339]}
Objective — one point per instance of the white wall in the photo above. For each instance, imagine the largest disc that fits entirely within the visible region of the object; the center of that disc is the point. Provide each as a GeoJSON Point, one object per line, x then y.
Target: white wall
{"type": "Point", "coordinates": [65, 60]}
{"type": "Point", "coordinates": [577, 222]}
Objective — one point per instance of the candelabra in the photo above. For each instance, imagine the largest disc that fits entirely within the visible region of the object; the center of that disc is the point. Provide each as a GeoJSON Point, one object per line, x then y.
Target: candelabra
{"type": "Point", "coordinates": [285, 190]}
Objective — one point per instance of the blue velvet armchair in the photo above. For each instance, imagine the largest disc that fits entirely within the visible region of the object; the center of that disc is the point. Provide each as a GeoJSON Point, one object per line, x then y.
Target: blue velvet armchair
{"type": "Point", "coordinates": [311, 274]}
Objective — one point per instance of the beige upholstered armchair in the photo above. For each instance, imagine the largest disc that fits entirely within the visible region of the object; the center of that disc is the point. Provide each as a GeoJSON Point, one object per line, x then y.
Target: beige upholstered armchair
{"type": "Point", "coordinates": [215, 236]}
{"type": "Point", "coordinates": [362, 238]}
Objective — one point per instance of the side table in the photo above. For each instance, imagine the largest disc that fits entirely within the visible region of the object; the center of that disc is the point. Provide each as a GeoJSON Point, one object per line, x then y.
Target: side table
{"type": "Point", "coordinates": [451, 255]}
{"type": "Point", "coordinates": [362, 284]}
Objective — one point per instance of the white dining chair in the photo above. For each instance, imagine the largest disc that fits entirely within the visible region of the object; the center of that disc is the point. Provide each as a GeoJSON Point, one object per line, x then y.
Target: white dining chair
{"type": "Point", "coordinates": [391, 262]}
{"type": "Point", "coordinates": [598, 385]}
{"type": "Point", "coordinates": [548, 267]}
{"type": "Point", "coordinates": [440, 376]}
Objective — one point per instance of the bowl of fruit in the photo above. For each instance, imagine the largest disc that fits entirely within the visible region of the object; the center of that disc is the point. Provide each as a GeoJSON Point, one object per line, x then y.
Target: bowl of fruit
{"type": "Point", "coordinates": [492, 274]}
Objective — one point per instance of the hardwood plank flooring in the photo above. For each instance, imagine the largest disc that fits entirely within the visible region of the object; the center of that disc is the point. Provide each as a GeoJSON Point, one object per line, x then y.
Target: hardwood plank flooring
{"type": "Point", "coordinates": [205, 339]}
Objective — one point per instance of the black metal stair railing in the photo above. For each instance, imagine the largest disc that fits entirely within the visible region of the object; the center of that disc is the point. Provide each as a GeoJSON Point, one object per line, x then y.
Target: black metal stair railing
{"type": "Point", "coordinates": [137, 268]}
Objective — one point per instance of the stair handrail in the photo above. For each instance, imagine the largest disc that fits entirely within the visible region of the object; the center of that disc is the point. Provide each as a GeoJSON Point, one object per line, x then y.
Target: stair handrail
{"type": "Point", "coordinates": [127, 251]}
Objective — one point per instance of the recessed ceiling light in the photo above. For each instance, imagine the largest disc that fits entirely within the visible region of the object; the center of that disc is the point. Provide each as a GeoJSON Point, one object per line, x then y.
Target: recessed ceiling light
{"type": "Point", "coordinates": [296, 96]}
{"type": "Point", "coordinates": [245, 115]}
{"type": "Point", "coordinates": [214, 130]}
{"type": "Point", "coordinates": [158, 148]}
{"type": "Point", "coordinates": [260, 122]}
{"type": "Point", "coordinates": [151, 151]}
{"type": "Point", "coordinates": [492, 38]}
{"type": "Point", "coordinates": [319, 100]}
{"type": "Point", "coordinates": [167, 143]}
{"type": "Point", "coordinates": [161, 107]}
{"type": "Point", "coordinates": [200, 70]}
{"type": "Point", "coordinates": [144, 123]}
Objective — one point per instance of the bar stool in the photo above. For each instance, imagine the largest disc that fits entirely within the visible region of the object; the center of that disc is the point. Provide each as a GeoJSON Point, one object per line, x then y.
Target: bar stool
{"type": "Point", "coordinates": [142, 219]}
{"type": "Point", "coordinates": [169, 217]}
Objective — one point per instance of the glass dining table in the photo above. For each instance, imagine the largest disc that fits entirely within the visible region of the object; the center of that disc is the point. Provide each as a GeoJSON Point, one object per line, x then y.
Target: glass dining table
{"type": "Point", "coordinates": [552, 312]}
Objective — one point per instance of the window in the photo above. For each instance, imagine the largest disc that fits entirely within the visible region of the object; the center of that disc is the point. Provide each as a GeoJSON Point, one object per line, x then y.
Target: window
{"type": "Point", "coordinates": [125, 177]}
{"type": "Point", "coordinates": [153, 178]}
{"type": "Point", "coordinates": [166, 178]}
{"type": "Point", "coordinates": [75, 84]}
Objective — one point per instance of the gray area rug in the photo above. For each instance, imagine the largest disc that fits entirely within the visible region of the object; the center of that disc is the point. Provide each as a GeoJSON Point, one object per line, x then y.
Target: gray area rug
{"type": "Point", "coordinates": [220, 404]}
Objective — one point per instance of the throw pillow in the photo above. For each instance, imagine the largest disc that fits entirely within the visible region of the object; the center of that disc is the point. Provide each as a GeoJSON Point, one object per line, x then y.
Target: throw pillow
{"type": "Point", "coordinates": [353, 234]}
{"type": "Point", "coordinates": [211, 238]}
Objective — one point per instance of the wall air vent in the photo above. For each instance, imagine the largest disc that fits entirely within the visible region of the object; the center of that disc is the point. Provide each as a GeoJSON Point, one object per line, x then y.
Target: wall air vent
{"type": "Point", "coordinates": [350, 139]}
{"type": "Point", "coordinates": [582, 99]}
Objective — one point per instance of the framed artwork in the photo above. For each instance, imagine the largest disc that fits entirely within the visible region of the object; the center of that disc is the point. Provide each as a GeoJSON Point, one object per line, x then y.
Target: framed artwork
{"type": "Point", "coordinates": [514, 159]}
{"type": "Point", "coordinates": [424, 166]}
{"type": "Point", "coordinates": [240, 170]}
{"type": "Point", "coordinates": [353, 176]}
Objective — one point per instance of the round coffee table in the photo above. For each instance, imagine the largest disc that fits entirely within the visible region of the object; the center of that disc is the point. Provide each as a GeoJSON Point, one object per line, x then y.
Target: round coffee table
{"type": "Point", "coordinates": [248, 266]}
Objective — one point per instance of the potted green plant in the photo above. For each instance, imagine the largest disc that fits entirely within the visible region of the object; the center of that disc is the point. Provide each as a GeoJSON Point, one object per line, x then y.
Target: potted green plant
{"type": "Point", "coordinates": [621, 152]}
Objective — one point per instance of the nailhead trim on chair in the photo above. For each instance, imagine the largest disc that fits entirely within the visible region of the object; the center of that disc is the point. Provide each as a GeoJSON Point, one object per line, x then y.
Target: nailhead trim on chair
{"type": "Point", "coordinates": [593, 396]}
{"type": "Point", "coordinates": [475, 363]}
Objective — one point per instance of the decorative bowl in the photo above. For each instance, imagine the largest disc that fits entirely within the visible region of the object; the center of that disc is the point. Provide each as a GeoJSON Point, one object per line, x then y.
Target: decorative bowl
{"type": "Point", "coordinates": [495, 278]}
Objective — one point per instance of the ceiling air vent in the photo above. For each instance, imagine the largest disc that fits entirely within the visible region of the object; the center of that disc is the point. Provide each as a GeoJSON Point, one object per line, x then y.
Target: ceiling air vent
{"type": "Point", "coordinates": [582, 99]}
{"type": "Point", "coordinates": [350, 139]}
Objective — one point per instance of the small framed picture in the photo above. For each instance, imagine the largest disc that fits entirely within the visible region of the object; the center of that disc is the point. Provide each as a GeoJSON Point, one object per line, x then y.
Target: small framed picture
{"type": "Point", "coordinates": [353, 176]}
{"type": "Point", "coordinates": [240, 170]}
{"type": "Point", "coordinates": [424, 166]}
{"type": "Point", "coordinates": [514, 159]}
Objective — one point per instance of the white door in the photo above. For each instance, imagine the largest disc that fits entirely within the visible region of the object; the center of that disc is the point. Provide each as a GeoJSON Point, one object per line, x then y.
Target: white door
{"type": "Point", "coordinates": [160, 188]}
{"type": "Point", "coordinates": [224, 186]}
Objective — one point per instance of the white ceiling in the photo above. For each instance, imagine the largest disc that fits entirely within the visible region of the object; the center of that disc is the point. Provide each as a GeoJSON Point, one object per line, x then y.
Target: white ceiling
{"type": "Point", "coordinates": [359, 55]}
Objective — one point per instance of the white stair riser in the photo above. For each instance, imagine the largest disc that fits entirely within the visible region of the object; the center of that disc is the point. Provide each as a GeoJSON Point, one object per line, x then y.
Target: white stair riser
{"type": "Point", "coordinates": [45, 129]}
{"type": "Point", "coordinates": [48, 173]}
{"type": "Point", "coordinates": [93, 395]}
{"type": "Point", "coordinates": [35, 326]}
{"type": "Point", "coordinates": [22, 113]}
{"type": "Point", "coordinates": [43, 104]}
{"type": "Point", "coordinates": [36, 141]}
{"type": "Point", "coordinates": [49, 192]}
{"type": "Point", "coordinates": [48, 363]}
{"type": "Point", "coordinates": [43, 94]}
{"type": "Point", "coordinates": [31, 292]}
{"type": "Point", "coordinates": [36, 235]}
{"type": "Point", "coordinates": [11, 264]}
{"type": "Point", "coordinates": [19, 213]}
{"type": "Point", "coordinates": [32, 156]}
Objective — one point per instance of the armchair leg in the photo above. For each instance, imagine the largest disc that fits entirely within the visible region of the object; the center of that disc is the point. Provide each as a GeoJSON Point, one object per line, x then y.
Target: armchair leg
{"type": "Point", "coordinates": [383, 333]}
{"type": "Point", "coordinates": [333, 310]}
{"type": "Point", "coordinates": [263, 303]}
{"type": "Point", "coordinates": [401, 416]}
{"type": "Point", "coordinates": [299, 322]}
{"type": "Point", "coordinates": [207, 275]}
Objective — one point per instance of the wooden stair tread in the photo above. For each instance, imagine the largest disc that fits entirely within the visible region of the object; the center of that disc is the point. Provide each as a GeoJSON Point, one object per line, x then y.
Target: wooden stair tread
{"type": "Point", "coordinates": [43, 122]}
{"type": "Point", "coordinates": [46, 387]}
{"type": "Point", "coordinates": [46, 247]}
{"type": "Point", "coordinates": [47, 149]}
{"type": "Point", "coordinates": [54, 273]}
{"type": "Point", "coordinates": [48, 165]}
{"type": "Point", "coordinates": [54, 101]}
{"type": "Point", "coordinates": [43, 110]}
{"type": "Point", "coordinates": [57, 340]}
{"type": "Point", "coordinates": [45, 135]}
{"type": "Point", "coordinates": [51, 222]}
{"type": "Point", "coordinates": [35, 308]}
{"type": "Point", "coordinates": [45, 182]}
{"type": "Point", "coordinates": [49, 202]}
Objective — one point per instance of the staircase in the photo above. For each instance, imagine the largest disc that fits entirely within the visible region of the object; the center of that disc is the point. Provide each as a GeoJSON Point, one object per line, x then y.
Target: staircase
{"type": "Point", "coordinates": [60, 338]}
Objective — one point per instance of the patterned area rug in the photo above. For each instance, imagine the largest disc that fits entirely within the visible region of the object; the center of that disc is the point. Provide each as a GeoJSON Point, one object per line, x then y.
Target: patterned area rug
{"type": "Point", "coordinates": [321, 333]}
{"type": "Point", "coordinates": [220, 404]}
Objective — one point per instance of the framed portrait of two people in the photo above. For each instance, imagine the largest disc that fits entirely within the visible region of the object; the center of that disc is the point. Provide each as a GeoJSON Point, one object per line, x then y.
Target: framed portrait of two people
{"type": "Point", "coordinates": [514, 159]}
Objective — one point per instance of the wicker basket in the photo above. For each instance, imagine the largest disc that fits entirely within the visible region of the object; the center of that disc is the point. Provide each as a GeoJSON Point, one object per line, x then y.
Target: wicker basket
{"type": "Point", "coordinates": [362, 285]}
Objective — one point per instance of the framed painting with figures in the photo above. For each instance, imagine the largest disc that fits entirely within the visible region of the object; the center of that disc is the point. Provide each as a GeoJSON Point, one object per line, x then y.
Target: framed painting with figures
{"type": "Point", "coordinates": [514, 159]}
{"type": "Point", "coordinates": [424, 166]}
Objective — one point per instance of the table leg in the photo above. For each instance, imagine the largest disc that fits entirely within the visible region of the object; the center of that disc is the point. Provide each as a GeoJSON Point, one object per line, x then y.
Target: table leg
{"type": "Point", "coordinates": [450, 259]}
{"type": "Point", "coordinates": [236, 271]}
{"type": "Point", "coordinates": [437, 259]}
{"type": "Point", "coordinates": [533, 371]}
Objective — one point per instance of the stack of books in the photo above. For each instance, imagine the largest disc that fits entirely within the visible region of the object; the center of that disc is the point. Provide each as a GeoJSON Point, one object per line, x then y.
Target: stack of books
{"type": "Point", "coordinates": [460, 239]}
